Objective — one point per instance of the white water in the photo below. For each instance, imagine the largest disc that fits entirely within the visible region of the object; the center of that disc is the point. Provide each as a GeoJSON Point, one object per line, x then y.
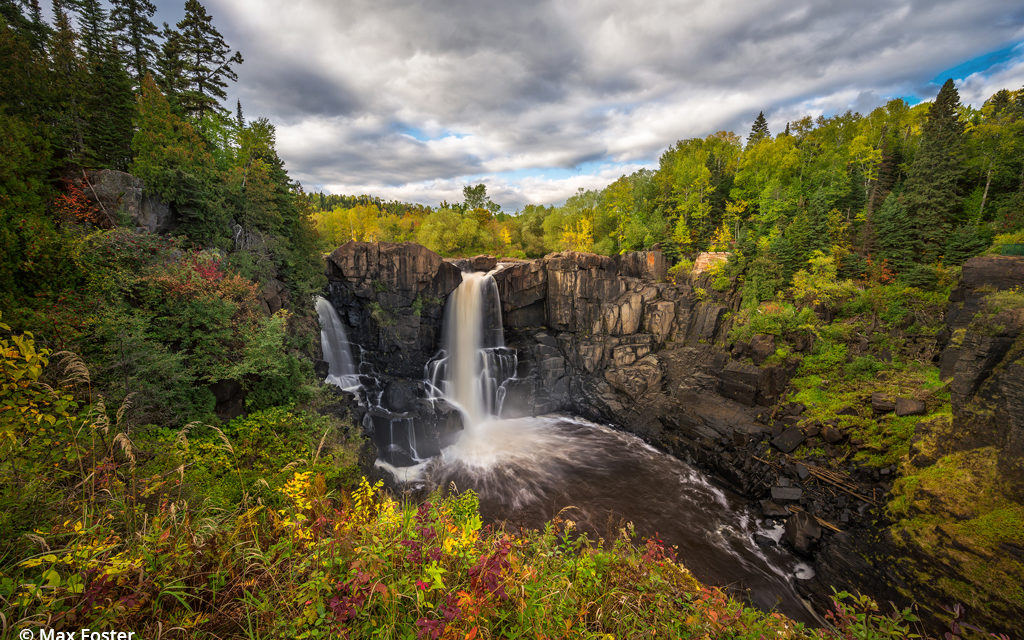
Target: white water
{"type": "Point", "coordinates": [527, 470]}
{"type": "Point", "coordinates": [335, 345]}
{"type": "Point", "coordinates": [474, 363]}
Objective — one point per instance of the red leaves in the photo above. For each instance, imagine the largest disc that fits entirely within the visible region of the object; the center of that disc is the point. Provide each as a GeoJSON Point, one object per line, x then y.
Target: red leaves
{"type": "Point", "coordinates": [74, 206]}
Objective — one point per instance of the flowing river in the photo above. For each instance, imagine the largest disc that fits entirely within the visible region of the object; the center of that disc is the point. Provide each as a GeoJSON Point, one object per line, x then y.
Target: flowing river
{"type": "Point", "coordinates": [528, 470]}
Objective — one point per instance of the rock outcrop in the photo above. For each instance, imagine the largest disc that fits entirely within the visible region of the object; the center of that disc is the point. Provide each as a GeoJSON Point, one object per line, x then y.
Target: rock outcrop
{"type": "Point", "coordinates": [391, 298]}
{"type": "Point", "coordinates": [983, 356]}
{"type": "Point", "coordinates": [119, 193]}
{"type": "Point", "coordinates": [608, 338]}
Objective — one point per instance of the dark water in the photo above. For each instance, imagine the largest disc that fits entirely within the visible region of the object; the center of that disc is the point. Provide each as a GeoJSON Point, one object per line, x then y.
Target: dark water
{"type": "Point", "coordinates": [528, 470]}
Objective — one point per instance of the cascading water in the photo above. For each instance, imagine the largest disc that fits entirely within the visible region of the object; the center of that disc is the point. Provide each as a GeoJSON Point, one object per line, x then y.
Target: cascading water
{"type": "Point", "coordinates": [474, 362]}
{"type": "Point", "coordinates": [335, 345]}
{"type": "Point", "coordinates": [527, 470]}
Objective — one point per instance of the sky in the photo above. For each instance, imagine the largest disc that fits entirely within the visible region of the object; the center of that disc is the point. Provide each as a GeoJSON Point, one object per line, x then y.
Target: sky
{"type": "Point", "coordinates": [538, 98]}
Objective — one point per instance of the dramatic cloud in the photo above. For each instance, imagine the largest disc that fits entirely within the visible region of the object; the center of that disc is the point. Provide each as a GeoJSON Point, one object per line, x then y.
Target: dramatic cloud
{"type": "Point", "coordinates": [538, 98]}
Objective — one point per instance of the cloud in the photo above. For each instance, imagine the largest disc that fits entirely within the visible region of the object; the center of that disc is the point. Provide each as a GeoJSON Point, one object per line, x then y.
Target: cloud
{"type": "Point", "coordinates": [415, 100]}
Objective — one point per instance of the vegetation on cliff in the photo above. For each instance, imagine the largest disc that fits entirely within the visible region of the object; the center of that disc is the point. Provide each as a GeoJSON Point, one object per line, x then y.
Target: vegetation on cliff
{"type": "Point", "coordinates": [164, 463]}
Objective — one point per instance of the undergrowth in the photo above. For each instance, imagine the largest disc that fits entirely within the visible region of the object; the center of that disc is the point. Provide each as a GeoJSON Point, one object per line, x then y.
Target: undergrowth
{"type": "Point", "coordinates": [259, 530]}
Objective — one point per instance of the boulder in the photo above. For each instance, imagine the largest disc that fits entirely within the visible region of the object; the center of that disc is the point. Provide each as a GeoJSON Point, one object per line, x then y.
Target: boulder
{"type": "Point", "coordinates": [774, 510]}
{"type": "Point", "coordinates": [789, 440]}
{"type": "Point", "coordinates": [909, 407]}
{"type": "Point", "coordinates": [119, 192]}
{"type": "Point", "coordinates": [786, 494]}
{"type": "Point", "coordinates": [832, 435]}
{"type": "Point", "coordinates": [802, 533]}
{"type": "Point", "coordinates": [882, 403]}
{"type": "Point", "coordinates": [762, 346]}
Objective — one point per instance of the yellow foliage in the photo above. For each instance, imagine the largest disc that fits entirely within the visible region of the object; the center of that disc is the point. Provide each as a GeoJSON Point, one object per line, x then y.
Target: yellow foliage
{"type": "Point", "coordinates": [578, 236]}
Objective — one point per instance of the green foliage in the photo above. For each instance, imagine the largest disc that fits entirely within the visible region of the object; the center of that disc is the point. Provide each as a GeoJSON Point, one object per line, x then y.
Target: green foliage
{"type": "Point", "coordinates": [175, 162]}
{"type": "Point", "coordinates": [773, 319]}
{"type": "Point", "coordinates": [251, 457]}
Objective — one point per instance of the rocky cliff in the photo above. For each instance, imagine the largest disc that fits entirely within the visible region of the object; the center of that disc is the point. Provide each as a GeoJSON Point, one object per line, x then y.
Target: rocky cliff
{"type": "Point", "coordinates": [610, 339]}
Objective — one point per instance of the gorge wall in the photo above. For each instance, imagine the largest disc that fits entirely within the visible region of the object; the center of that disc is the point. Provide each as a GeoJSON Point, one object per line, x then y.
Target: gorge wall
{"type": "Point", "coordinates": [610, 339]}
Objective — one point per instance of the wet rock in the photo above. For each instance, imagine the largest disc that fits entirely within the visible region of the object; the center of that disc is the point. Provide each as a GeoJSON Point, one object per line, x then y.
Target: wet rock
{"type": "Point", "coordinates": [774, 510]}
{"type": "Point", "coordinates": [832, 435]}
{"type": "Point", "coordinates": [848, 411]}
{"type": "Point", "coordinates": [812, 428]}
{"type": "Point", "coordinates": [909, 407]}
{"type": "Point", "coordinates": [789, 440]}
{"type": "Point", "coordinates": [374, 285]}
{"type": "Point", "coordinates": [786, 494]}
{"type": "Point", "coordinates": [763, 541]}
{"type": "Point", "coordinates": [802, 533]}
{"type": "Point", "coordinates": [400, 395]}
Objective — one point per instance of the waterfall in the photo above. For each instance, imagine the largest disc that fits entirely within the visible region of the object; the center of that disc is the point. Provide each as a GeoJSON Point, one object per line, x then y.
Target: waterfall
{"type": "Point", "coordinates": [337, 353]}
{"type": "Point", "coordinates": [474, 362]}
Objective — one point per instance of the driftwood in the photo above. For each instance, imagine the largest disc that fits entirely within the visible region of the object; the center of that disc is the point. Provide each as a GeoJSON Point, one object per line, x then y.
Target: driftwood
{"type": "Point", "coordinates": [825, 523]}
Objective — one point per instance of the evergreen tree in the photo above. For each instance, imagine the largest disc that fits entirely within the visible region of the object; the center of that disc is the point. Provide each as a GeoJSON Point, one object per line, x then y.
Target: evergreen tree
{"type": "Point", "coordinates": [932, 192]}
{"type": "Point", "coordinates": [894, 235]}
{"type": "Point", "coordinates": [207, 62]}
{"type": "Point", "coordinates": [94, 29]}
{"type": "Point", "coordinates": [759, 131]}
{"type": "Point", "coordinates": [69, 91]}
{"type": "Point", "coordinates": [176, 163]}
{"type": "Point", "coordinates": [136, 34]}
{"type": "Point", "coordinates": [170, 65]}
{"type": "Point", "coordinates": [239, 118]}
{"type": "Point", "coordinates": [108, 107]}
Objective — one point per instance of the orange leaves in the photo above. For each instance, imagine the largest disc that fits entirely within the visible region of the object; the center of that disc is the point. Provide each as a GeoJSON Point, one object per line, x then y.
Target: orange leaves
{"type": "Point", "coordinates": [74, 206]}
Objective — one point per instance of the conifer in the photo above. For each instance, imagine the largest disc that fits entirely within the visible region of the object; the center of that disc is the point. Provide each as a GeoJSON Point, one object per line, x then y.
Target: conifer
{"type": "Point", "coordinates": [136, 34]}
{"type": "Point", "coordinates": [759, 131]}
{"type": "Point", "coordinates": [207, 62]}
{"type": "Point", "coordinates": [932, 195]}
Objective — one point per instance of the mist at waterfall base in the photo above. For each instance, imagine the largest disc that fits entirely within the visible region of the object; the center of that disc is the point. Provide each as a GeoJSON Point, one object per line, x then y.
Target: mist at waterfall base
{"type": "Point", "coordinates": [527, 470]}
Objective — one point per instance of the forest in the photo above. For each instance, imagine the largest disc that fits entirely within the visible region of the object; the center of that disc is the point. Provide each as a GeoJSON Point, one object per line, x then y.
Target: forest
{"type": "Point", "coordinates": [171, 464]}
{"type": "Point", "coordinates": [904, 190]}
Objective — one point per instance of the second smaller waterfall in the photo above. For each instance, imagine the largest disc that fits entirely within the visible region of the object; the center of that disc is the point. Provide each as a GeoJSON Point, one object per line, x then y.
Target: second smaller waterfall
{"type": "Point", "coordinates": [335, 345]}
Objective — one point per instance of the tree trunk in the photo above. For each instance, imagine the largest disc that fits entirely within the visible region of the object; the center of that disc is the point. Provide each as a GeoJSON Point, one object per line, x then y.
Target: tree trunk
{"type": "Point", "coordinates": [984, 196]}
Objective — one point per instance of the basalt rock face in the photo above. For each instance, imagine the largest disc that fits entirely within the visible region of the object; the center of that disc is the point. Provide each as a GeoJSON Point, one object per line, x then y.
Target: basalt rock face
{"type": "Point", "coordinates": [984, 355]}
{"type": "Point", "coordinates": [391, 299]}
{"type": "Point", "coordinates": [609, 339]}
{"type": "Point", "coordinates": [605, 337]}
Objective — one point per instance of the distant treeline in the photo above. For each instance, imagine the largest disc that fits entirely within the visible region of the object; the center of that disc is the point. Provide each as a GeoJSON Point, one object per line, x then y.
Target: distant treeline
{"type": "Point", "coordinates": [905, 190]}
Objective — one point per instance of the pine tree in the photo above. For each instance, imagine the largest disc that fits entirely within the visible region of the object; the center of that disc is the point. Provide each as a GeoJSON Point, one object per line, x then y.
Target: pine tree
{"type": "Point", "coordinates": [170, 65]}
{"type": "Point", "coordinates": [759, 131]}
{"type": "Point", "coordinates": [932, 191]}
{"type": "Point", "coordinates": [239, 118]}
{"type": "Point", "coordinates": [136, 34]}
{"type": "Point", "coordinates": [69, 92]}
{"type": "Point", "coordinates": [207, 62]}
{"type": "Point", "coordinates": [94, 29]}
{"type": "Point", "coordinates": [108, 107]}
